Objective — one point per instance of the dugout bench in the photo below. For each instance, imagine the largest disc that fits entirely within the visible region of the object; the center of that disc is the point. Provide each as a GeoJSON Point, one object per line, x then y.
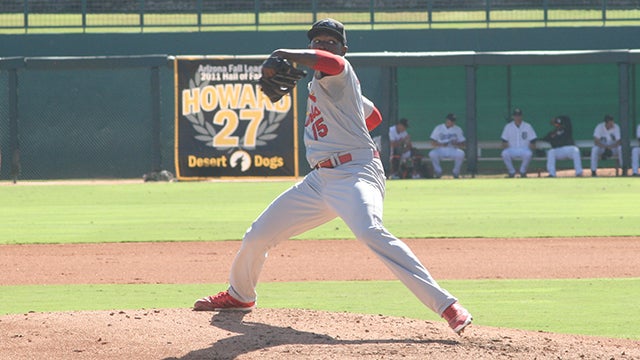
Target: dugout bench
{"type": "Point", "coordinates": [489, 151]}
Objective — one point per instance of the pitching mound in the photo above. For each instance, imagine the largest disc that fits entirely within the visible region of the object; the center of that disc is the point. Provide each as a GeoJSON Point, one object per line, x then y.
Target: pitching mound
{"type": "Point", "coordinates": [279, 334]}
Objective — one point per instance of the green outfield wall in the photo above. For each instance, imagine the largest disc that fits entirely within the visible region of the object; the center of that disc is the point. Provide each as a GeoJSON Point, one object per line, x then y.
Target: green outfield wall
{"type": "Point", "coordinates": [87, 120]}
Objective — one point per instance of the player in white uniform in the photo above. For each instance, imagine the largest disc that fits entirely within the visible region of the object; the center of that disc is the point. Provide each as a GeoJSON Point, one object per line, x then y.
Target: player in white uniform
{"type": "Point", "coordinates": [635, 155]}
{"type": "Point", "coordinates": [447, 139]}
{"type": "Point", "coordinates": [402, 150]}
{"type": "Point", "coordinates": [607, 140]}
{"type": "Point", "coordinates": [348, 181]}
{"type": "Point", "coordinates": [518, 141]}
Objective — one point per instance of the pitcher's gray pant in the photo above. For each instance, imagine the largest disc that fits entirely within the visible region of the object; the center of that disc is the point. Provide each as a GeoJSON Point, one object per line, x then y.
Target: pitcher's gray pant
{"type": "Point", "coordinates": [354, 192]}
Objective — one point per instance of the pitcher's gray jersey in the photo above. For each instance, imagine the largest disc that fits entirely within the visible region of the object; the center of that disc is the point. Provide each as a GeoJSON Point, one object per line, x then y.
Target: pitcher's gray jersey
{"type": "Point", "coordinates": [335, 120]}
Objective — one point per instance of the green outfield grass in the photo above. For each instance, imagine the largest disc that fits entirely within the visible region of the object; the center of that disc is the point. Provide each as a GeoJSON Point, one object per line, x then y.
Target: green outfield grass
{"type": "Point", "coordinates": [422, 208]}
{"type": "Point", "coordinates": [413, 209]}
{"type": "Point", "coordinates": [586, 306]}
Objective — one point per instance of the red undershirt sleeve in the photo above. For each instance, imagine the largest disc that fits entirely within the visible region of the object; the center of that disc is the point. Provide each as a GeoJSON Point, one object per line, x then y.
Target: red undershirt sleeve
{"type": "Point", "coordinates": [374, 119]}
{"type": "Point", "coordinates": [331, 64]}
{"type": "Point", "coordinates": [328, 63]}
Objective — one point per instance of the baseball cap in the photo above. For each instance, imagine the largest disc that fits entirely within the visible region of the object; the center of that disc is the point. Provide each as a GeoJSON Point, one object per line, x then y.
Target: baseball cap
{"type": "Point", "coordinates": [404, 122]}
{"type": "Point", "coordinates": [517, 111]}
{"type": "Point", "coordinates": [451, 117]}
{"type": "Point", "coordinates": [562, 120]}
{"type": "Point", "coordinates": [328, 26]}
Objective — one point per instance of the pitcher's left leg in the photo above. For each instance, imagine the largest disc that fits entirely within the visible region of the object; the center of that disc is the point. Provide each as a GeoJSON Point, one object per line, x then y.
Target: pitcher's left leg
{"type": "Point", "coordinates": [360, 206]}
{"type": "Point", "coordinates": [295, 211]}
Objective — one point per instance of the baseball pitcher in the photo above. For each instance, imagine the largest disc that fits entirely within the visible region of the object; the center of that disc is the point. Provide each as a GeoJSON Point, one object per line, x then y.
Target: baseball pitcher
{"type": "Point", "coordinates": [347, 180]}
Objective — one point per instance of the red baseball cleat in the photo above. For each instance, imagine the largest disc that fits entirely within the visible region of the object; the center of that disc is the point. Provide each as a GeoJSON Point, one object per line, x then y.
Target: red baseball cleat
{"type": "Point", "coordinates": [457, 317]}
{"type": "Point", "coordinates": [222, 302]}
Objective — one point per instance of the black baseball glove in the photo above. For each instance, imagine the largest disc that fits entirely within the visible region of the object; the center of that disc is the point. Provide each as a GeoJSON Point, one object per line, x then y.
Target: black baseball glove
{"type": "Point", "coordinates": [279, 77]}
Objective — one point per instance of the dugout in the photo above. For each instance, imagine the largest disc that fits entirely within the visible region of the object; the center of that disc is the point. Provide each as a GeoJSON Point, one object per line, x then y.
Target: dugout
{"type": "Point", "coordinates": [113, 117]}
{"type": "Point", "coordinates": [482, 88]}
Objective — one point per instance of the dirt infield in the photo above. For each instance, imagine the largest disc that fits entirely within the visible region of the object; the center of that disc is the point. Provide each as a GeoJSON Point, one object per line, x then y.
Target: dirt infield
{"type": "Point", "coordinates": [292, 333]}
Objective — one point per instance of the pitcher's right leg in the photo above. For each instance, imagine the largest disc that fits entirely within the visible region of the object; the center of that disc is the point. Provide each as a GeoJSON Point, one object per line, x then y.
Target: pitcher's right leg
{"type": "Point", "coordinates": [296, 210]}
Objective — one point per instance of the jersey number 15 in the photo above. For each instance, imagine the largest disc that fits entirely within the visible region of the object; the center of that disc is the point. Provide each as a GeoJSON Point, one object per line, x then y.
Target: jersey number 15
{"type": "Point", "coordinates": [318, 126]}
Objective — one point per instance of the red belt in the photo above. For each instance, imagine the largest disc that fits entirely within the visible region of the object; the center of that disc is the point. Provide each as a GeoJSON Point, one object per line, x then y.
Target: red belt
{"type": "Point", "coordinates": [339, 160]}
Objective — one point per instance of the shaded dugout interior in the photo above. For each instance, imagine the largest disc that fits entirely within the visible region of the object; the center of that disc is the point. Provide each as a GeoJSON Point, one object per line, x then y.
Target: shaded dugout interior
{"type": "Point", "coordinates": [585, 92]}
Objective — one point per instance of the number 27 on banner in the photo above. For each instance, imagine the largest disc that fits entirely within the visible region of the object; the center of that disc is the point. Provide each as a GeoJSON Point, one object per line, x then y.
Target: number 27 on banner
{"type": "Point", "coordinates": [231, 120]}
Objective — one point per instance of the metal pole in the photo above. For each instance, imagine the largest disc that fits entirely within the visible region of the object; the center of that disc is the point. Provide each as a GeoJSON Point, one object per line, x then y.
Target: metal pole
{"type": "Point", "coordinates": [256, 11]}
{"type": "Point", "coordinates": [509, 100]}
{"type": "Point", "coordinates": [199, 10]}
{"type": "Point", "coordinates": [604, 12]}
{"type": "Point", "coordinates": [156, 151]}
{"type": "Point", "coordinates": [26, 15]}
{"type": "Point", "coordinates": [487, 12]}
{"type": "Point", "coordinates": [623, 91]}
{"type": "Point", "coordinates": [84, 16]}
{"type": "Point", "coordinates": [13, 124]}
{"type": "Point", "coordinates": [390, 95]}
{"type": "Point", "coordinates": [545, 4]}
{"type": "Point", "coordinates": [372, 17]}
{"type": "Point", "coordinates": [314, 10]}
{"type": "Point", "coordinates": [430, 12]}
{"type": "Point", "coordinates": [141, 5]}
{"type": "Point", "coordinates": [633, 98]}
{"type": "Point", "coordinates": [472, 125]}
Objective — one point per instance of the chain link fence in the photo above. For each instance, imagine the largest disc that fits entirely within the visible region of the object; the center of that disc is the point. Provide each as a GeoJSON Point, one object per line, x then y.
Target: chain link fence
{"type": "Point", "coordinates": [4, 125]}
{"type": "Point", "coordinates": [206, 15]}
{"type": "Point", "coordinates": [85, 121]}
